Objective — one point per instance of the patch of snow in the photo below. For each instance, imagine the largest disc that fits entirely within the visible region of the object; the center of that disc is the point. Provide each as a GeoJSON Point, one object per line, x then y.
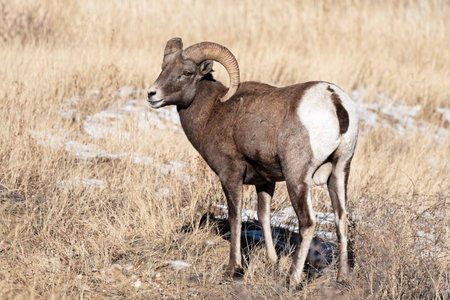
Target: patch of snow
{"type": "Point", "coordinates": [444, 112]}
{"type": "Point", "coordinates": [428, 245]}
{"type": "Point", "coordinates": [90, 151]}
{"type": "Point", "coordinates": [93, 94]}
{"type": "Point", "coordinates": [367, 117]}
{"type": "Point", "coordinates": [248, 214]}
{"type": "Point", "coordinates": [88, 183]}
{"type": "Point", "coordinates": [67, 107]}
{"type": "Point", "coordinates": [399, 111]}
{"type": "Point", "coordinates": [186, 179]}
{"type": "Point", "coordinates": [72, 100]}
{"type": "Point", "coordinates": [171, 167]}
{"type": "Point", "coordinates": [178, 264]}
{"type": "Point", "coordinates": [401, 114]}
{"type": "Point", "coordinates": [358, 94]}
{"type": "Point", "coordinates": [286, 219]}
{"type": "Point", "coordinates": [436, 163]}
{"type": "Point", "coordinates": [169, 113]}
{"type": "Point", "coordinates": [67, 114]}
{"type": "Point", "coordinates": [325, 218]}
{"type": "Point", "coordinates": [107, 122]}
{"type": "Point", "coordinates": [103, 124]}
{"type": "Point", "coordinates": [51, 140]}
{"type": "Point", "coordinates": [83, 151]}
{"type": "Point", "coordinates": [143, 160]}
{"type": "Point", "coordinates": [165, 192]}
{"type": "Point", "coordinates": [126, 91]}
{"type": "Point", "coordinates": [210, 243]}
{"type": "Point", "coordinates": [80, 150]}
{"type": "Point", "coordinates": [397, 117]}
{"type": "Point", "coordinates": [136, 284]}
{"type": "Point", "coordinates": [325, 235]}
{"type": "Point", "coordinates": [131, 106]}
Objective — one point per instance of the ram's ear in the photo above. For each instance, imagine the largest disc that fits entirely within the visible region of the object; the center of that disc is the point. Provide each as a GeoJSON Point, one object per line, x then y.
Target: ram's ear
{"type": "Point", "coordinates": [173, 45]}
{"type": "Point", "coordinates": [205, 67]}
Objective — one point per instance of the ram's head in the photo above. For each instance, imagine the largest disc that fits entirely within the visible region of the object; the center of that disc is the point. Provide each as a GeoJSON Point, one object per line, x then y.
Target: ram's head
{"type": "Point", "coordinates": [183, 69]}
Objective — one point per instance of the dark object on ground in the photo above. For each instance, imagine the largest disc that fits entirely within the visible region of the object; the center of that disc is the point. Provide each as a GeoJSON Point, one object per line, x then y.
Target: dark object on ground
{"type": "Point", "coordinates": [322, 254]}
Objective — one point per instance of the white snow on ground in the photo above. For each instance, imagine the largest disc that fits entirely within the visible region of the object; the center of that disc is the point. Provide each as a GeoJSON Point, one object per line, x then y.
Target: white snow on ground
{"type": "Point", "coordinates": [286, 219]}
{"type": "Point", "coordinates": [136, 284]}
{"type": "Point", "coordinates": [107, 122]}
{"type": "Point", "coordinates": [428, 245]}
{"type": "Point", "coordinates": [444, 112]}
{"type": "Point", "coordinates": [80, 150]}
{"type": "Point", "coordinates": [89, 183]}
{"type": "Point", "coordinates": [164, 192]}
{"type": "Point", "coordinates": [398, 117]}
{"type": "Point", "coordinates": [178, 264]}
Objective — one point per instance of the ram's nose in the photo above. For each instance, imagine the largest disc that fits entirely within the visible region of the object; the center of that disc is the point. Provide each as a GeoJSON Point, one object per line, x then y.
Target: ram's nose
{"type": "Point", "coordinates": [150, 94]}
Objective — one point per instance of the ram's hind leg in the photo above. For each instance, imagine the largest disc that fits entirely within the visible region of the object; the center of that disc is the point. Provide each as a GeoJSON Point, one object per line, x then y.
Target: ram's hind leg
{"type": "Point", "coordinates": [265, 193]}
{"type": "Point", "coordinates": [301, 201]}
{"type": "Point", "coordinates": [298, 177]}
{"type": "Point", "coordinates": [337, 187]}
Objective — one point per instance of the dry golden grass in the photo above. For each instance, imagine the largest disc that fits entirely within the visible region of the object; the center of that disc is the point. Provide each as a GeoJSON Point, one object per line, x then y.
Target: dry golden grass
{"type": "Point", "coordinates": [83, 242]}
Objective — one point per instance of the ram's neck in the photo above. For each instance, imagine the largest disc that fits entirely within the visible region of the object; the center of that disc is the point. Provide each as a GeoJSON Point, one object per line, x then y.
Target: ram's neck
{"type": "Point", "coordinates": [195, 117]}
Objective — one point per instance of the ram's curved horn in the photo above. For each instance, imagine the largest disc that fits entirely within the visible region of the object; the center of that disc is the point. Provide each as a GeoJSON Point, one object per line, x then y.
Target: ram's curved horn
{"type": "Point", "coordinates": [208, 50]}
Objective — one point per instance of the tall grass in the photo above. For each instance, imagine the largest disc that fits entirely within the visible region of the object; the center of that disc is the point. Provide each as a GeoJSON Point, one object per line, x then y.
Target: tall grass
{"type": "Point", "coordinates": [74, 241]}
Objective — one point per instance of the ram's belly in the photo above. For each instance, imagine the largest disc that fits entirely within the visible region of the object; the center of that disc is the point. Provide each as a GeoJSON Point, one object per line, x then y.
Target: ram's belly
{"type": "Point", "coordinates": [262, 172]}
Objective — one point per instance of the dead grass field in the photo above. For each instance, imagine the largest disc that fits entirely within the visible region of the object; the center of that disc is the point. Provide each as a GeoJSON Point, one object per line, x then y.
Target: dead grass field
{"type": "Point", "coordinates": [96, 226]}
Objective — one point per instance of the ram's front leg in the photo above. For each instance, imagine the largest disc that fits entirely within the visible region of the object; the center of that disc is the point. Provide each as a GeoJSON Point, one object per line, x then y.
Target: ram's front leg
{"type": "Point", "coordinates": [232, 186]}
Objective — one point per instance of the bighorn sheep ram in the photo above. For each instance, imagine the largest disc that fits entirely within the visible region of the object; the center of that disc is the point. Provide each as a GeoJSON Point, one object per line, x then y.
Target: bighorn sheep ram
{"type": "Point", "coordinates": [255, 133]}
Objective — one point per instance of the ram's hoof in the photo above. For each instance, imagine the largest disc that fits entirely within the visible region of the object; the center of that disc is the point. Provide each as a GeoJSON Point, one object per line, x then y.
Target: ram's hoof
{"type": "Point", "coordinates": [234, 273]}
{"type": "Point", "coordinates": [290, 285]}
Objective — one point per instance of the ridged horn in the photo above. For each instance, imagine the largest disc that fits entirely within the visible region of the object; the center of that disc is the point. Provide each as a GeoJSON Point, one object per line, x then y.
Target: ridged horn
{"type": "Point", "coordinates": [173, 45]}
{"type": "Point", "coordinates": [208, 50]}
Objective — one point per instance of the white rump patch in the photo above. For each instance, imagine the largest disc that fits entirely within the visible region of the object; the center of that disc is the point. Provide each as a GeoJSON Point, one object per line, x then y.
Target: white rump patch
{"type": "Point", "coordinates": [318, 114]}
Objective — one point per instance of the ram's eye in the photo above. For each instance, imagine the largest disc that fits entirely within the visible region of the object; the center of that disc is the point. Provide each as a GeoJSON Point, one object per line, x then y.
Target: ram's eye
{"type": "Point", "coordinates": [187, 73]}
